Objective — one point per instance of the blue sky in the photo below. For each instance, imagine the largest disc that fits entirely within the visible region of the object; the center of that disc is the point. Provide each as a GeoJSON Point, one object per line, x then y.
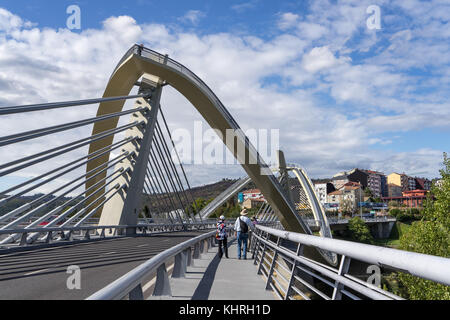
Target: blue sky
{"type": "Point", "coordinates": [345, 95]}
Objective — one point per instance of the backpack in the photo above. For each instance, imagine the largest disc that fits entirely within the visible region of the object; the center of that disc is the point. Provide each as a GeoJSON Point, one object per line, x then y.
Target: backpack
{"type": "Point", "coordinates": [243, 225]}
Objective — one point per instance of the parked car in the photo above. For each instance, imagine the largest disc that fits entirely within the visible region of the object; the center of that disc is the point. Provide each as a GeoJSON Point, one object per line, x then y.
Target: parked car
{"type": "Point", "coordinates": [51, 218]}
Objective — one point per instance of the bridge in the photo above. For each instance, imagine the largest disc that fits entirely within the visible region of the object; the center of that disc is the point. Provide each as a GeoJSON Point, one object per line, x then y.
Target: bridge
{"type": "Point", "coordinates": [121, 213]}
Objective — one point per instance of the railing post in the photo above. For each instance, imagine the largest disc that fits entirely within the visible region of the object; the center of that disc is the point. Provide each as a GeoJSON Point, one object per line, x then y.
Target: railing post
{"type": "Point", "coordinates": [343, 269]}
{"type": "Point", "coordinates": [272, 265]}
{"type": "Point", "coordinates": [49, 237]}
{"type": "Point", "coordinates": [23, 239]}
{"type": "Point", "coordinates": [197, 251]}
{"type": "Point", "coordinates": [294, 267]}
{"type": "Point", "coordinates": [189, 257]}
{"type": "Point", "coordinates": [262, 258]}
{"type": "Point", "coordinates": [162, 285]}
{"type": "Point", "coordinates": [205, 246]}
{"type": "Point", "coordinates": [136, 293]}
{"type": "Point", "coordinates": [87, 235]}
{"type": "Point", "coordinates": [179, 268]}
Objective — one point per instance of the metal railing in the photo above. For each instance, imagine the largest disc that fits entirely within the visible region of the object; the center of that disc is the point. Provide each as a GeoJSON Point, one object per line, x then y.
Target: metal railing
{"type": "Point", "coordinates": [64, 207]}
{"type": "Point", "coordinates": [130, 285]}
{"type": "Point", "coordinates": [278, 255]}
{"type": "Point", "coordinates": [63, 234]}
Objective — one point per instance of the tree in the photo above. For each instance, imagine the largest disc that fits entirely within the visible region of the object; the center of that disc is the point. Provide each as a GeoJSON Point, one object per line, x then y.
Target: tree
{"type": "Point", "coordinates": [393, 204]}
{"type": "Point", "coordinates": [368, 193]}
{"type": "Point", "coordinates": [431, 235]}
{"type": "Point", "coordinates": [197, 205]}
{"type": "Point", "coordinates": [359, 231]}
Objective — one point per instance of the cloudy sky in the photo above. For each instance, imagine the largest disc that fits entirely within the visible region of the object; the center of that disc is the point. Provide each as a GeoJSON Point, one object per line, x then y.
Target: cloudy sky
{"type": "Point", "coordinates": [342, 95]}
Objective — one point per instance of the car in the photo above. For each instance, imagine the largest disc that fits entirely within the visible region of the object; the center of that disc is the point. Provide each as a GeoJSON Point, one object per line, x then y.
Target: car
{"type": "Point", "coordinates": [51, 218]}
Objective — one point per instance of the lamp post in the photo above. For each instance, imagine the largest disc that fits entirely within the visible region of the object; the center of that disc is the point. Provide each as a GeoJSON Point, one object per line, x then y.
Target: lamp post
{"type": "Point", "coordinates": [360, 206]}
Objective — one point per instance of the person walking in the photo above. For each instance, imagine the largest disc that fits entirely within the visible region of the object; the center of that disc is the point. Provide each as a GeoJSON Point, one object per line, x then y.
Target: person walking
{"type": "Point", "coordinates": [221, 236]}
{"type": "Point", "coordinates": [242, 226]}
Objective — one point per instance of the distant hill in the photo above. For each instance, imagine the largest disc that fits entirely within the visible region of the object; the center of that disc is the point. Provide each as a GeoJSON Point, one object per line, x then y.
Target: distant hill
{"type": "Point", "coordinates": [208, 191]}
{"type": "Point", "coordinates": [20, 201]}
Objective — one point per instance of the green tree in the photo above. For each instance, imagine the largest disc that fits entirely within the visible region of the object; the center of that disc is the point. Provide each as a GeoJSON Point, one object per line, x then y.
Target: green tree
{"type": "Point", "coordinates": [431, 235]}
{"type": "Point", "coordinates": [368, 193]}
{"type": "Point", "coordinates": [359, 231]}
{"type": "Point", "coordinates": [197, 205]}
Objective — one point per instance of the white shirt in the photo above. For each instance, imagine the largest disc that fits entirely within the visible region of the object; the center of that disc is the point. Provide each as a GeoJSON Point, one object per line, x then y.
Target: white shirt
{"type": "Point", "coordinates": [237, 224]}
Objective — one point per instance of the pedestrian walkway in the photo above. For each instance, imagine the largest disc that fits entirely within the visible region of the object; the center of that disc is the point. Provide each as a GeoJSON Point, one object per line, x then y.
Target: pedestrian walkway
{"type": "Point", "coordinates": [211, 278]}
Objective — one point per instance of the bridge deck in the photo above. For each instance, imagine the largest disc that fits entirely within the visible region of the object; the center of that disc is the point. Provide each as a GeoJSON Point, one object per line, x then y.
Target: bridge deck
{"type": "Point", "coordinates": [211, 278]}
{"type": "Point", "coordinates": [41, 273]}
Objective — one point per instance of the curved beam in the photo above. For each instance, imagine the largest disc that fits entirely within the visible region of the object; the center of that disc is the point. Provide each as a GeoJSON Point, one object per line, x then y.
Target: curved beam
{"type": "Point", "coordinates": [317, 209]}
{"type": "Point", "coordinates": [223, 197]}
{"type": "Point", "coordinates": [138, 62]}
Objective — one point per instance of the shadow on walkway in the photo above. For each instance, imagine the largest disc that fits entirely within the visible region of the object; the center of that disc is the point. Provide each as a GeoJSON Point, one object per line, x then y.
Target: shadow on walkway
{"type": "Point", "coordinates": [204, 287]}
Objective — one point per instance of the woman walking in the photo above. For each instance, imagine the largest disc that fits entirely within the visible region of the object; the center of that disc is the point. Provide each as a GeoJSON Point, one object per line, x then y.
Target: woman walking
{"type": "Point", "coordinates": [221, 236]}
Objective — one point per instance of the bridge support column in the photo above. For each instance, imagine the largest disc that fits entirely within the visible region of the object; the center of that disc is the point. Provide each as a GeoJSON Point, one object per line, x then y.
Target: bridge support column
{"type": "Point", "coordinates": [124, 207]}
{"type": "Point", "coordinates": [382, 230]}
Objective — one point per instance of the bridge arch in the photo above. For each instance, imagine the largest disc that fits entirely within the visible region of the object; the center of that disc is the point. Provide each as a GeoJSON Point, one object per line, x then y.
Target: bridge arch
{"type": "Point", "coordinates": [138, 62]}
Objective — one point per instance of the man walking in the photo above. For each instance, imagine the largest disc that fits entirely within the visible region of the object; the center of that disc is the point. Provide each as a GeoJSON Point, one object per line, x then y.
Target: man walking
{"type": "Point", "coordinates": [221, 236]}
{"type": "Point", "coordinates": [242, 225]}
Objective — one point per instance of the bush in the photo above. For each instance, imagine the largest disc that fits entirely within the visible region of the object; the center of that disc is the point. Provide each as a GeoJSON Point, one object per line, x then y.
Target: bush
{"type": "Point", "coordinates": [430, 236]}
{"type": "Point", "coordinates": [359, 231]}
{"type": "Point", "coordinates": [395, 212]}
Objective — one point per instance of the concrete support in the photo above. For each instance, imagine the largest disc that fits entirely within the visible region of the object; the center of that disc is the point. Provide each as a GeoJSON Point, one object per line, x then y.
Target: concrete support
{"type": "Point", "coordinates": [382, 230]}
{"type": "Point", "coordinates": [162, 285]}
{"type": "Point", "coordinates": [125, 206]}
{"type": "Point", "coordinates": [188, 257]}
{"type": "Point", "coordinates": [179, 268]}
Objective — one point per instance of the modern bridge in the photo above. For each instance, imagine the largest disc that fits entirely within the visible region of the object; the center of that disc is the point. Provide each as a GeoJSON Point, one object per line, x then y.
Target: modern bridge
{"type": "Point", "coordinates": [147, 236]}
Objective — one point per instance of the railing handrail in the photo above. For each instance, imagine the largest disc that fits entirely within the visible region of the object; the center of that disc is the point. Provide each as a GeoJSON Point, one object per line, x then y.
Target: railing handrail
{"type": "Point", "coordinates": [91, 227]}
{"type": "Point", "coordinates": [425, 266]}
{"type": "Point", "coordinates": [122, 286]}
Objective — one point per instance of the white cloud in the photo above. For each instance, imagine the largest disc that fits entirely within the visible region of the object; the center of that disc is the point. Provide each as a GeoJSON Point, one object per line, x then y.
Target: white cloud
{"type": "Point", "coordinates": [372, 97]}
{"type": "Point", "coordinates": [288, 20]}
{"type": "Point", "coordinates": [193, 16]}
{"type": "Point", "coordinates": [241, 7]}
{"type": "Point", "coordinates": [318, 59]}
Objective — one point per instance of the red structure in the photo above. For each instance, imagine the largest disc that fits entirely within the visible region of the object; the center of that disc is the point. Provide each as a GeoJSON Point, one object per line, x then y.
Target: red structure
{"type": "Point", "coordinates": [410, 198]}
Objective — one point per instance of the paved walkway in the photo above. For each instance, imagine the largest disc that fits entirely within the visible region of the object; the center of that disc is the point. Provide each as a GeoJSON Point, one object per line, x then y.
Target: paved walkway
{"type": "Point", "coordinates": [211, 278]}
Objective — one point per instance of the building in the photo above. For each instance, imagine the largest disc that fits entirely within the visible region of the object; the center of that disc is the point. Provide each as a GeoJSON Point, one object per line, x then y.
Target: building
{"type": "Point", "coordinates": [374, 183]}
{"type": "Point", "coordinates": [384, 186]}
{"type": "Point", "coordinates": [414, 198]}
{"type": "Point", "coordinates": [351, 191]}
{"type": "Point", "coordinates": [334, 197]}
{"type": "Point", "coordinates": [252, 203]}
{"type": "Point", "coordinates": [252, 194]}
{"type": "Point", "coordinates": [355, 175]}
{"type": "Point", "coordinates": [394, 190]}
{"type": "Point", "coordinates": [411, 183]}
{"type": "Point", "coordinates": [399, 179]}
{"type": "Point", "coordinates": [322, 188]}
{"type": "Point", "coordinates": [423, 184]}
{"type": "Point", "coordinates": [409, 198]}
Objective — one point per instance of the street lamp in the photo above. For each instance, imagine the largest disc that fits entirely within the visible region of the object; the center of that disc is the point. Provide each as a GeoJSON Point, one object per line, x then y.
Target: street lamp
{"type": "Point", "coordinates": [360, 206]}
